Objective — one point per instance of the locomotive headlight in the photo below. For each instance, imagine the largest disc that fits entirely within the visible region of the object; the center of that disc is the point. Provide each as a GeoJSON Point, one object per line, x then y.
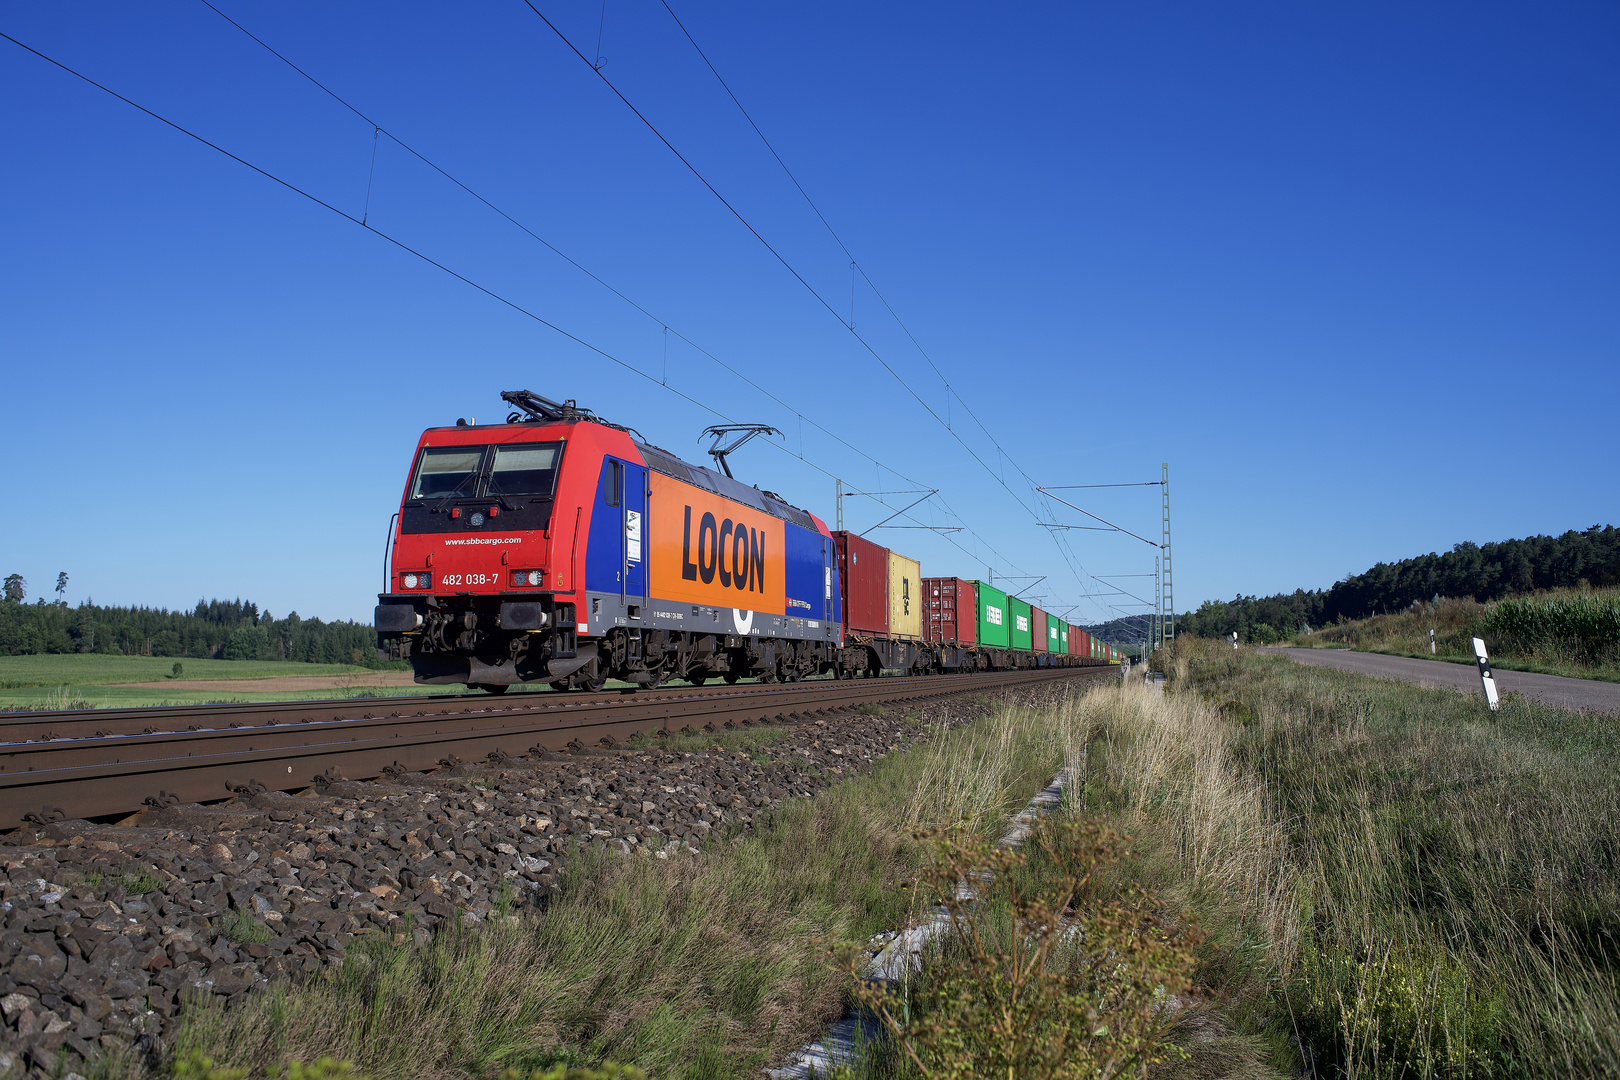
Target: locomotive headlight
{"type": "Point", "coordinates": [528, 577]}
{"type": "Point", "coordinates": [417, 581]}
{"type": "Point", "coordinates": [410, 581]}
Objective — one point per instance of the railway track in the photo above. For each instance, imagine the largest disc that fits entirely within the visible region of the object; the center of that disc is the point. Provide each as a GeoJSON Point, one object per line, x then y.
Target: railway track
{"type": "Point", "coordinates": [110, 762]}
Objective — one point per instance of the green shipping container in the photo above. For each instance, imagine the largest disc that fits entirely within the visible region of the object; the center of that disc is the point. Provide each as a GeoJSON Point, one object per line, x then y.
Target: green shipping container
{"type": "Point", "coordinates": [994, 620]}
{"type": "Point", "coordinates": [1023, 623]}
{"type": "Point", "coordinates": [1063, 638]}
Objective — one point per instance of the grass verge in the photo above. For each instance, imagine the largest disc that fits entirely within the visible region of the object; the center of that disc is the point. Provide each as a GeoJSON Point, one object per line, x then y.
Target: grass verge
{"type": "Point", "coordinates": [710, 966]}
{"type": "Point", "coordinates": [1395, 881]}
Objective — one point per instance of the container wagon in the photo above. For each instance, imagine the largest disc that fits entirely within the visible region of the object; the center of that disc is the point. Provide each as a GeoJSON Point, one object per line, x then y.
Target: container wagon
{"type": "Point", "coordinates": [951, 621]}
{"type": "Point", "coordinates": [883, 611]}
{"type": "Point", "coordinates": [1019, 631]}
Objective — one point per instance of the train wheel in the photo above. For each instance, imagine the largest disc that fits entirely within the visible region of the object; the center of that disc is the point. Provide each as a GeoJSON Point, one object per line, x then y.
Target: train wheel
{"type": "Point", "coordinates": [698, 679]}
{"type": "Point", "coordinates": [489, 688]}
{"type": "Point", "coordinates": [562, 684]}
{"type": "Point", "coordinates": [591, 683]}
{"type": "Point", "coordinates": [731, 678]}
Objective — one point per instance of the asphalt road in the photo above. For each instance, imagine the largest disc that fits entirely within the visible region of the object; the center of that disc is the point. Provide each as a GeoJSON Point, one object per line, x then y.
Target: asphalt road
{"type": "Point", "coordinates": [1553, 690]}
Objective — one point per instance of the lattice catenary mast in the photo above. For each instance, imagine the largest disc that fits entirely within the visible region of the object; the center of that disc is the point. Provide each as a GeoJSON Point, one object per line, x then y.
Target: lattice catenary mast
{"type": "Point", "coordinates": [1167, 604]}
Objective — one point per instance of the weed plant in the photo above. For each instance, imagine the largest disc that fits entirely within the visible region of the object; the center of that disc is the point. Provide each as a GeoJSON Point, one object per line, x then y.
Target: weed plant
{"type": "Point", "coordinates": [1048, 969]}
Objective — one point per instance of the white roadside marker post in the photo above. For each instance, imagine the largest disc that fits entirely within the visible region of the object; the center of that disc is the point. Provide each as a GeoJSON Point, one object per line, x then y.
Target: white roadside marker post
{"type": "Point", "coordinates": [1431, 641]}
{"type": "Point", "coordinates": [1234, 641]}
{"type": "Point", "coordinates": [1485, 673]}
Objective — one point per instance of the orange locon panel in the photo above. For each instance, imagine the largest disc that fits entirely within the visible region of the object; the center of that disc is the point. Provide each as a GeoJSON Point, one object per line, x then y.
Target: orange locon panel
{"type": "Point", "coordinates": [709, 550]}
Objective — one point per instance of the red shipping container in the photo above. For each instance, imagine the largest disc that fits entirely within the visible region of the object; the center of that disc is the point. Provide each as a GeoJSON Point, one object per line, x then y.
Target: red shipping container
{"type": "Point", "coordinates": [1080, 641]}
{"type": "Point", "coordinates": [1037, 629]}
{"type": "Point", "coordinates": [950, 607]}
{"type": "Point", "coordinates": [863, 571]}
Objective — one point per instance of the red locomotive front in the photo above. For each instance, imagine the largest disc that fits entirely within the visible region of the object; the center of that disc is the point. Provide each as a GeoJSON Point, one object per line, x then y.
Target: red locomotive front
{"type": "Point", "coordinates": [557, 548]}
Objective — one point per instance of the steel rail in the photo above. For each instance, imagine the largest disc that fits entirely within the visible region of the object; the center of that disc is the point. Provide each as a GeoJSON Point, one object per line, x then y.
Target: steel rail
{"type": "Point", "coordinates": [146, 720]}
{"type": "Point", "coordinates": [107, 775]}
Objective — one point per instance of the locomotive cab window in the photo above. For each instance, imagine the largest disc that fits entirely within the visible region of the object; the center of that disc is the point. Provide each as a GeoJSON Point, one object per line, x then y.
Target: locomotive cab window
{"type": "Point", "coordinates": [516, 481]}
{"type": "Point", "coordinates": [615, 481]}
{"type": "Point", "coordinates": [449, 470]}
{"type": "Point", "coordinates": [524, 469]}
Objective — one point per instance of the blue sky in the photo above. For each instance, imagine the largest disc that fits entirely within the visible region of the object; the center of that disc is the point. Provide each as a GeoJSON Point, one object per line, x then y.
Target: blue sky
{"type": "Point", "coordinates": [1351, 270]}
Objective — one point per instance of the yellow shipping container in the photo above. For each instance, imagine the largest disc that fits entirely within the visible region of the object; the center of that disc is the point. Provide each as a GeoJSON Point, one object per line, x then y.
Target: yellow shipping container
{"type": "Point", "coordinates": [905, 597]}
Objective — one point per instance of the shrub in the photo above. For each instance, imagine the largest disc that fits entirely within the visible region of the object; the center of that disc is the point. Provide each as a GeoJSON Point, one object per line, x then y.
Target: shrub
{"type": "Point", "coordinates": [1408, 1003]}
{"type": "Point", "coordinates": [607, 1071]}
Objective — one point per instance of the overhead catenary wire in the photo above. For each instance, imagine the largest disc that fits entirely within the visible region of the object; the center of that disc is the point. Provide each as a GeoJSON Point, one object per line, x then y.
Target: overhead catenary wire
{"type": "Point", "coordinates": [464, 278]}
{"type": "Point", "coordinates": [377, 127]}
{"type": "Point", "coordinates": [288, 185]}
{"type": "Point", "coordinates": [318, 201]}
{"type": "Point", "coordinates": [770, 248]}
{"type": "Point", "coordinates": [1062, 550]}
{"type": "Point", "coordinates": [854, 263]}
{"type": "Point", "coordinates": [855, 267]}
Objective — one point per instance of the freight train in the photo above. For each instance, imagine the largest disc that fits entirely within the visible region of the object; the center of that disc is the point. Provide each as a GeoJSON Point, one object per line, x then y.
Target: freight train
{"type": "Point", "coordinates": [560, 548]}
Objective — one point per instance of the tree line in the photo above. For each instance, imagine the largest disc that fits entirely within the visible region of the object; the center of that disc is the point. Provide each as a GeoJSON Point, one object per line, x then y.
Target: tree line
{"type": "Point", "coordinates": [221, 629]}
{"type": "Point", "coordinates": [1482, 572]}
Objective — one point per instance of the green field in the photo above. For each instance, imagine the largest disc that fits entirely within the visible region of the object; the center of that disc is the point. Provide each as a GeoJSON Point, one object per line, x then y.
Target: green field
{"type": "Point", "coordinates": [90, 669]}
{"type": "Point", "coordinates": [78, 681]}
{"type": "Point", "coordinates": [75, 680]}
{"type": "Point", "coordinates": [126, 697]}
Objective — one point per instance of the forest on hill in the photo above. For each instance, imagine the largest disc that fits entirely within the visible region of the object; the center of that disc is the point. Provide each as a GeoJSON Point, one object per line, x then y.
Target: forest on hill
{"type": "Point", "coordinates": [1481, 572]}
{"type": "Point", "coordinates": [221, 629]}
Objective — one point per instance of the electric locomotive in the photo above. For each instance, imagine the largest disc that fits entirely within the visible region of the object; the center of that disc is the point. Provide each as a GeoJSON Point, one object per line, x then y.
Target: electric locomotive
{"type": "Point", "coordinates": [558, 547]}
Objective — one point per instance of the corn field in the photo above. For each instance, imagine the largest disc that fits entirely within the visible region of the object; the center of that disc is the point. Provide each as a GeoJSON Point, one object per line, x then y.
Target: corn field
{"type": "Point", "coordinates": [1587, 624]}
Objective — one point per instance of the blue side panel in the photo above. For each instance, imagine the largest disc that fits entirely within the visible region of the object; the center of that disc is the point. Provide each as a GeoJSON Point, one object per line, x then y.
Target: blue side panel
{"type": "Point", "coordinates": [635, 546]}
{"type": "Point", "coordinates": [604, 558]}
{"type": "Point", "coordinates": [806, 563]}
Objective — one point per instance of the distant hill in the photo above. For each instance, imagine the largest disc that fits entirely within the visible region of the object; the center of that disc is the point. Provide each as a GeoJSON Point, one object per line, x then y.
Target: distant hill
{"type": "Point", "coordinates": [1478, 571]}
{"type": "Point", "coordinates": [223, 629]}
{"type": "Point", "coordinates": [1128, 633]}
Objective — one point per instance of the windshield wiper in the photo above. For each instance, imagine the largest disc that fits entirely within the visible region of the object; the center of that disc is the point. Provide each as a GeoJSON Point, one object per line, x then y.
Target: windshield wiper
{"type": "Point", "coordinates": [454, 492]}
